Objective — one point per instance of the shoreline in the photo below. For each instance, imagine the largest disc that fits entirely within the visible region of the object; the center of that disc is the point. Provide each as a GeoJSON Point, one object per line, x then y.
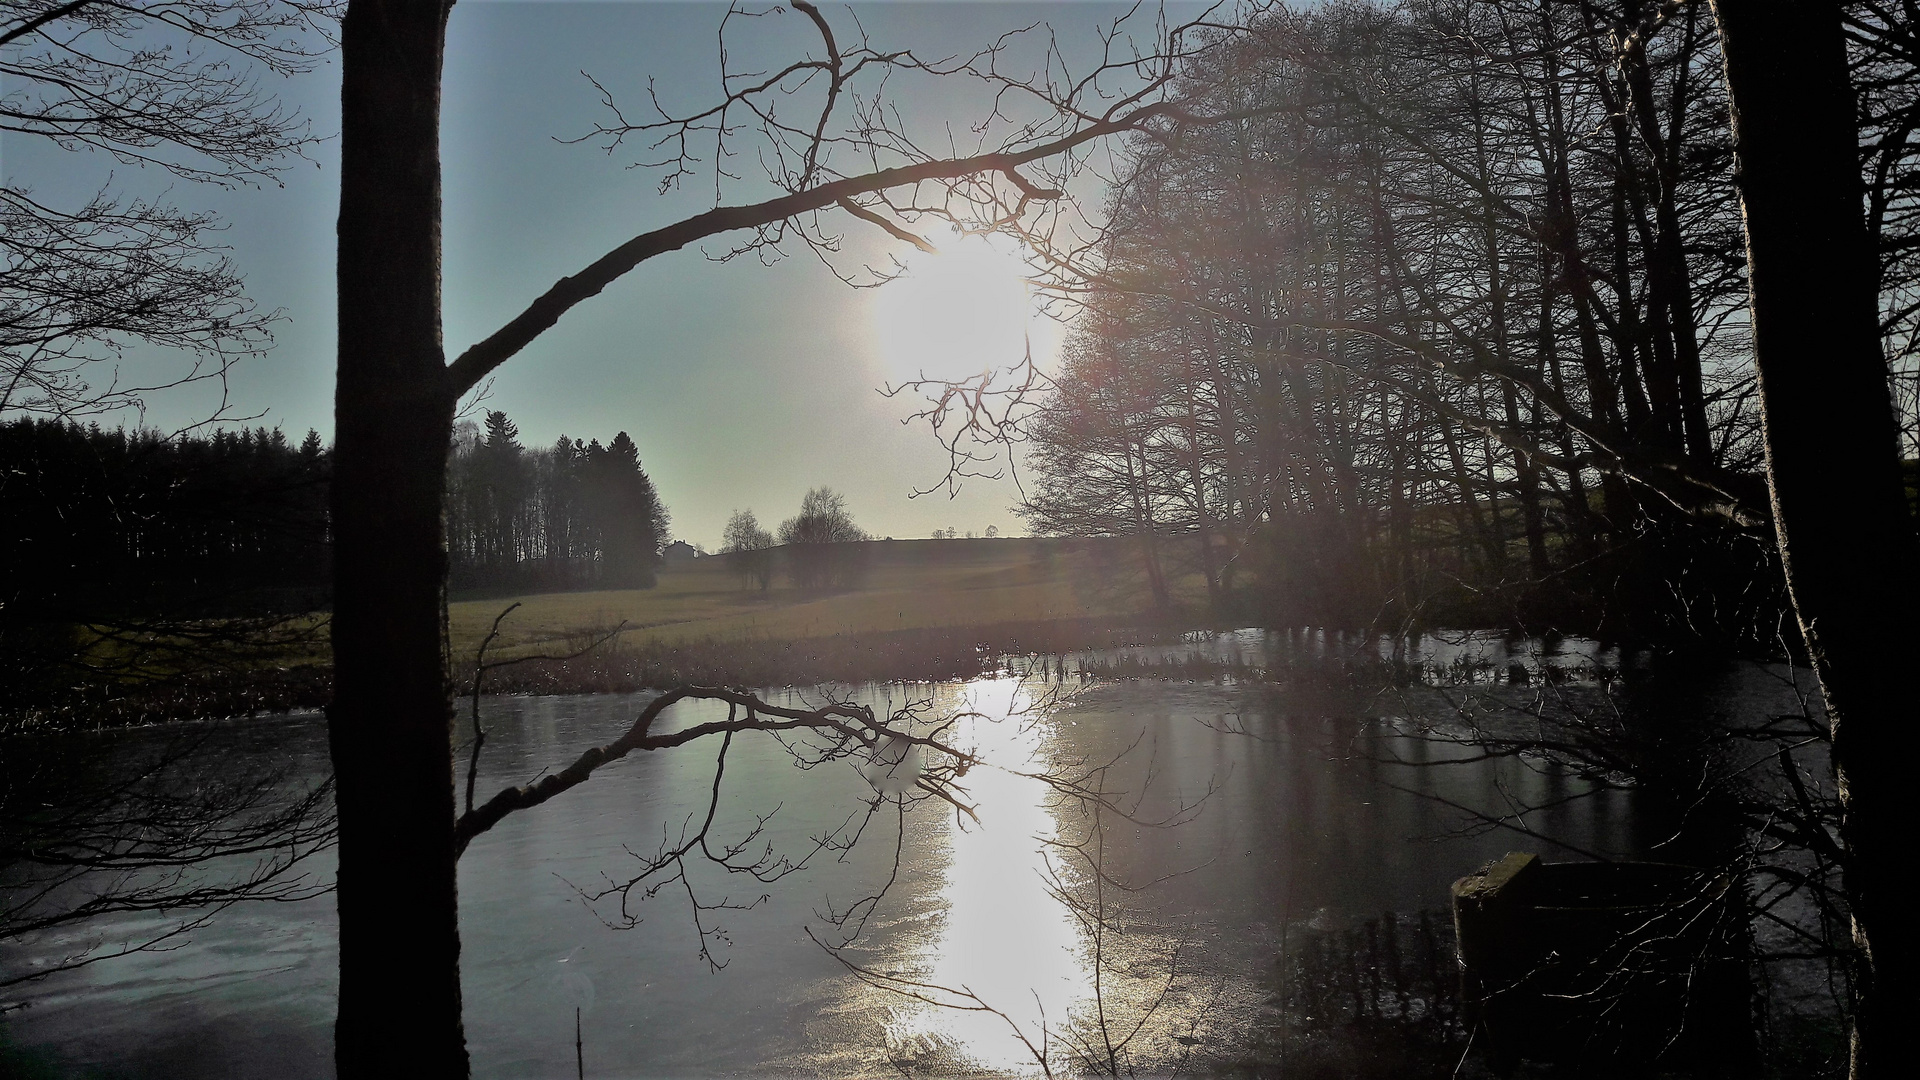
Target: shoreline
{"type": "Point", "coordinates": [917, 655]}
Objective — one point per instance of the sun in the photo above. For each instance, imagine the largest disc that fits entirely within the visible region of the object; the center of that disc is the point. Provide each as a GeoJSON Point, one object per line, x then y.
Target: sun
{"type": "Point", "coordinates": [957, 313]}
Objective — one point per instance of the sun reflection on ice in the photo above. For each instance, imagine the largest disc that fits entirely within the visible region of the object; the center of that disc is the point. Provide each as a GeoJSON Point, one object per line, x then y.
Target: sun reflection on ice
{"type": "Point", "coordinates": [1005, 938]}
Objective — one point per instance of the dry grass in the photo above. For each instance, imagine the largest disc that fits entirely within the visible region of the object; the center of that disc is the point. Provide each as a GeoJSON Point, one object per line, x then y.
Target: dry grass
{"type": "Point", "coordinates": [922, 609]}
{"type": "Point", "coordinates": [907, 585]}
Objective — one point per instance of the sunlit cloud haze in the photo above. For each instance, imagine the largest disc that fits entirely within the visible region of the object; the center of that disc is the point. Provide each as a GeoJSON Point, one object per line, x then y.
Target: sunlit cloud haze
{"type": "Point", "coordinates": [743, 384]}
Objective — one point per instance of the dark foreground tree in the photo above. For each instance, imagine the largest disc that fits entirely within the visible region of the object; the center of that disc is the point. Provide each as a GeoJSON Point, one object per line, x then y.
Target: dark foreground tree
{"type": "Point", "coordinates": [1839, 504]}
{"type": "Point", "coordinates": [389, 724]}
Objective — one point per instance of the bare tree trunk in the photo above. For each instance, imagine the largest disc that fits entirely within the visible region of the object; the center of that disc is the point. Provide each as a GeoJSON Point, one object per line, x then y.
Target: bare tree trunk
{"type": "Point", "coordinates": [1602, 394]}
{"type": "Point", "coordinates": [1526, 482]}
{"type": "Point", "coordinates": [1631, 343]}
{"type": "Point", "coordinates": [1672, 299]}
{"type": "Point", "coordinates": [1846, 537]}
{"type": "Point", "coordinates": [1142, 496]}
{"type": "Point", "coordinates": [1399, 512]}
{"type": "Point", "coordinates": [1197, 477]}
{"type": "Point", "coordinates": [389, 724]}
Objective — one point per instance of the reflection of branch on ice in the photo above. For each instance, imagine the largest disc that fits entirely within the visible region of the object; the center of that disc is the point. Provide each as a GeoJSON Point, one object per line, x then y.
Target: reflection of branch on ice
{"type": "Point", "coordinates": [1120, 1014]}
{"type": "Point", "coordinates": [993, 736]}
{"type": "Point", "coordinates": [101, 859]}
{"type": "Point", "coordinates": [962, 999]}
{"type": "Point", "coordinates": [907, 754]}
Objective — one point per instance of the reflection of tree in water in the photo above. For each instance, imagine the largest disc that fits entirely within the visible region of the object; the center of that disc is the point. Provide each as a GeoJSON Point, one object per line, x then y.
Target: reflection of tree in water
{"type": "Point", "coordinates": [165, 837]}
{"type": "Point", "coordinates": [1377, 999]}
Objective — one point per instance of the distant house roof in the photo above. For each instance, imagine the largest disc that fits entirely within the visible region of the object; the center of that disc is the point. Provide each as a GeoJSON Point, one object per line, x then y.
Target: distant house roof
{"type": "Point", "coordinates": [679, 551]}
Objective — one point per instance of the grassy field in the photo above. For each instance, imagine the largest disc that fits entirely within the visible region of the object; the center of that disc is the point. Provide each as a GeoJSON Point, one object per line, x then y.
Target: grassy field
{"type": "Point", "coordinates": [920, 609]}
{"type": "Point", "coordinates": [906, 585]}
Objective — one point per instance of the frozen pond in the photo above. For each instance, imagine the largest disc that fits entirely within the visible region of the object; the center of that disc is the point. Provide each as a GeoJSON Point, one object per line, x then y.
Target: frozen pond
{"type": "Point", "coordinates": [1294, 833]}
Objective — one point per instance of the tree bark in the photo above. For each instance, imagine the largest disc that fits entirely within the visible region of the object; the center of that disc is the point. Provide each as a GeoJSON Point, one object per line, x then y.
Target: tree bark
{"type": "Point", "coordinates": [1846, 537]}
{"type": "Point", "coordinates": [389, 726]}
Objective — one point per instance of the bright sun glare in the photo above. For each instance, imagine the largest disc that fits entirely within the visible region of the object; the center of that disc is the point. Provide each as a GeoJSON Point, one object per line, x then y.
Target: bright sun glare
{"type": "Point", "coordinates": [1005, 937]}
{"type": "Point", "coordinates": [957, 313]}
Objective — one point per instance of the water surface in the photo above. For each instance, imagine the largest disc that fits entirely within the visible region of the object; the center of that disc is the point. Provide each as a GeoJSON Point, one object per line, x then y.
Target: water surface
{"type": "Point", "coordinates": [1291, 824]}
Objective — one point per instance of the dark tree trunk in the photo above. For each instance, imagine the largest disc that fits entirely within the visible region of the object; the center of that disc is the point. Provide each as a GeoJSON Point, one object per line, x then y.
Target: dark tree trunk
{"type": "Point", "coordinates": [1143, 527]}
{"type": "Point", "coordinates": [1671, 295]}
{"type": "Point", "coordinates": [1846, 538]}
{"type": "Point", "coordinates": [1616, 501]}
{"type": "Point", "coordinates": [389, 724]}
{"type": "Point", "coordinates": [1526, 482]}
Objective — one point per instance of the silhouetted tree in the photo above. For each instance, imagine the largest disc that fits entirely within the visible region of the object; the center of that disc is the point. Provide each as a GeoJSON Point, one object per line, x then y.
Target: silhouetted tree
{"type": "Point", "coordinates": [819, 539]}
{"type": "Point", "coordinates": [1412, 319]}
{"type": "Point", "coordinates": [823, 519]}
{"type": "Point", "coordinates": [396, 394]}
{"type": "Point", "coordinates": [577, 516]}
{"type": "Point", "coordinates": [1833, 463]}
{"type": "Point", "coordinates": [746, 546]}
{"type": "Point", "coordinates": [175, 544]}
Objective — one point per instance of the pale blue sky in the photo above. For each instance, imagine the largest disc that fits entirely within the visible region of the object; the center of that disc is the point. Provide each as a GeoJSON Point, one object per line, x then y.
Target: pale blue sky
{"type": "Point", "coordinates": [742, 384]}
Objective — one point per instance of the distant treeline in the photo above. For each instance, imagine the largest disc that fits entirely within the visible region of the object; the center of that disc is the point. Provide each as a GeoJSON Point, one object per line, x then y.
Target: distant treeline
{"type": "Point", "coordinates": [100, 523]}
{"type": "Point", "coordinates": [576, 515]}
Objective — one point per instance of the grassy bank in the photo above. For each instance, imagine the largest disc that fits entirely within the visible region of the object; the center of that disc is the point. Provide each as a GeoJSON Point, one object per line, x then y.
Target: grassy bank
{"type": "Point", "coordinates": [901, 585]}
{"type": "Point", "coordinates": [913, 609]}
{"type": "Point", "coordinates": [929, 654]}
